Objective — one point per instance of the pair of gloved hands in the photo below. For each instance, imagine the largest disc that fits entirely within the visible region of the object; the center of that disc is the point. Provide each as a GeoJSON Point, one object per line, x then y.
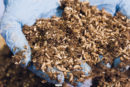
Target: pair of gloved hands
{"type": "Point", "coordinates": [20, 12]}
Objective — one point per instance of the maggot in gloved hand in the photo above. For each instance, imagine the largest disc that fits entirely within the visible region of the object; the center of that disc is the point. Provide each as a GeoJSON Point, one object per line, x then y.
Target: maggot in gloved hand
{"type": "Point", "coordinates": [20, 12]}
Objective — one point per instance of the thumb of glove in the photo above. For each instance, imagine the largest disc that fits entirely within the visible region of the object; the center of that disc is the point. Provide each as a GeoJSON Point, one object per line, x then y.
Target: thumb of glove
{"type": "Point", "coordinates": [14, 37]}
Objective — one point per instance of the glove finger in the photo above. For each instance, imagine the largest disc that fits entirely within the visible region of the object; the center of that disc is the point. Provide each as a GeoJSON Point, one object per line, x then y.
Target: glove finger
{"type": "Point", "coordinates": [108, 65]}
{"type": "Point", "coordinates": [60, 76]}
{"type": "Point", "coordinates": [86, 83]}
{"type": "Point", "coordinates": [116, 62]}
{"type": "Point", "coordinates": [85, 68]}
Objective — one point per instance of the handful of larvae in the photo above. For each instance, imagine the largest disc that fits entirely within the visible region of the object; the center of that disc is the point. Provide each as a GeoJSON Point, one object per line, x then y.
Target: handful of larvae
{"type": "Point", "coordinates": [81, 33]}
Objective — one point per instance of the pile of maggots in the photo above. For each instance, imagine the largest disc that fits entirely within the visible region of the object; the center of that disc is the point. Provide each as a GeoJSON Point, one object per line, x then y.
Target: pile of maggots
{"type": "Point", "coordinates": [82, 33]}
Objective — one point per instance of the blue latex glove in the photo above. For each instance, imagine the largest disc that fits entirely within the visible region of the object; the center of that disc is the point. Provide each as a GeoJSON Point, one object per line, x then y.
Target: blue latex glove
{"type": "Point", "coordinates": [20, 12]}
{"type": "Point", "coordinates": [112, 6]}
{"type": "Point", "coordinates": [1, 8]}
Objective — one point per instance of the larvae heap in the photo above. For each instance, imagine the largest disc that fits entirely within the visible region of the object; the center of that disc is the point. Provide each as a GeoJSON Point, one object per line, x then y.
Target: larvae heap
{"type": "Point", "coordinates": [81, 33]}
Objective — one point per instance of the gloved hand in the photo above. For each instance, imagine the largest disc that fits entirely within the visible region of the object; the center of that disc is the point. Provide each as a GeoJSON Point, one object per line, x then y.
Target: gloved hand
{"type": "Point", "coordinates": [113, 6]}
{"type": "Point", "coordinates": [20, 12]}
